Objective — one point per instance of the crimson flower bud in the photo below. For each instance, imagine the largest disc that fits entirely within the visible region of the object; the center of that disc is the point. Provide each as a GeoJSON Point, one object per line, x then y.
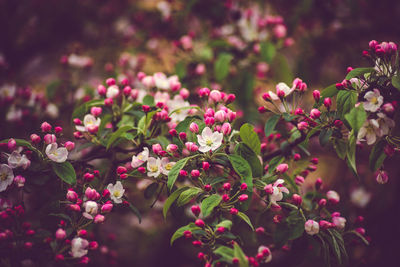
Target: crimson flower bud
{"type": "Point", "coordinates": [262, 110]}
{"type": "Point", "coordinates": [322, 202]}
{"type": "Point", "coordinates": [205, 165]}
{"type": "Point", "coordinates": [226, 186]}
{"type": "Point", "coordinates": [221, 229]}
{"type": "Point", "coordinates": [199, 223]}
{"type": "Point", "coordinates": [196, 210]}
{"type": "Point", "coordinates": [243, 197]}
{"type": "Point", "coordinates": [233, 211]}
{"type": "Point", "coordinates": [173, 132]}
{"type": "Point", "coordinates": [46, 127]}
{"type": "Point", "coordinates": [328, 102]}
{"type": "Point", "coordinates": [207, 187]}
{"type": "Point", "coordinates": [106, 193]}
{"type": "Point", "coordinates": [316, 95]}
{"type": "Point", "coordinates": [195, 173]}
{"type": "Point", "coordinates": [297, 200]}
{"type": "Point", "coordinates": [58, 129]}
{"type": "Point", "coordinates": [243, 187]}
{"type": "Point", "coordinates": [183, 173]}
{"type": "Point", "coordinates": [318, 183]}
{"type": "Point", "coordinates": [146, 108]}
{"type": "Point", "coordinates": [225, 198]}
{"type": "Point", "coordinates": [141, 169]}
{"type": "Point", "coordinates": [197, 243]}
{"type": "Point", "coordinates": [182, 135]}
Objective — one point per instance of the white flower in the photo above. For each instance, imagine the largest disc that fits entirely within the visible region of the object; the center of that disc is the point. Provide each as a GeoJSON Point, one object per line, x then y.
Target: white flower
{"type": "Point", "coordinates": [339, 222]}
{"type": "Point", "coordinates": [209, 140]}
{"type": "Point", "coordinates": [374, 100]}
{"type": "Point", "coordinates": [6, 176]}
{"type": "Point", "coordinates": [178, 107]}
{"type": "Point", "coordinates": [166, 165]}
{"type": "Point", "coordinates": [8, 91]}
{"type": "Point", "coordinates": [369, 130]}
{"type": "Point", "coordinates": [116, 191]}
{"type": "Point", "coordinates": [112, 91]}
{"type": "Point", "coordinates": [266, 252]}
{"type": "Point", "coordinates": [360, 197]}
{"type": "Point", "coordinates": [140, 158]}
{"type": "Point", "coordinates": [162, 97]}
{"type": "Point", "coordinates": [277, 191]}
{"type": "Point", "coordinates": [153, 167]}
{"type": "Point", "coordinates": [311, 227]}
{"type": "Point", "coordinates": [79, 247]}
{"type": "Point", "coordinates": [15, 160]}
{"type": "Point", "coordinates": [14, 114]}
{"type": "Point", "coordinates": [79, 61]}
{"type": "Point", "coordinates": [385, 124]}
{"type": "Point", "coordinates": [56, 154]}
{"type": "Point", "coordinates": [161, 81]}
{"type": "Point", "coordinates": [89, 122]}
{"type": "Point", "coordinates": [91, 209]}
{"type": "Point", "coordinates": [52, 110]}
{"type": "Point", "coordinates": [165, 8]}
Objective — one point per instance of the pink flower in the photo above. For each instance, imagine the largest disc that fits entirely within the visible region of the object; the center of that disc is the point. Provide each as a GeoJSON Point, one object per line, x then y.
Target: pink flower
{"type": "Point", "coordinates": [311, 227]}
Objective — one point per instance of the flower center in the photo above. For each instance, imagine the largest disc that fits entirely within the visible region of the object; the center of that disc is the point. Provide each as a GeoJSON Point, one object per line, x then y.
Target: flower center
{"type": "Point", "coordinates": [168, 167]}
{"type": "Point", "coordinates": [3, 177]}
{"type": "Point", "coordinates": [154, 168]}
{"type": "Point", "coordinates": [374, 100]}
{"type": "Point", "coordinates": [117, 193]}
{"type": "Point", "coordinates": [209, 142]}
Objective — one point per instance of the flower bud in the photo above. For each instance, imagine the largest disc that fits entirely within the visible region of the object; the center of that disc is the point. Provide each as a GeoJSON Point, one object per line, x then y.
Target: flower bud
{"type": "Point", "coordinates": [226, 128]}
{"type": "Point", "coordinates": [215, 96]}
{"type": "Point", "coordinates": [11, 144]}
{"type": "Point", "coordinates": [182, 136]}
{"type": "Point", "coordinates": [311, 227]}
{"type": "Point", "coordinates": [315, 113]}
{"type": "Point", "coordinates": [35, 139]}
{"type": "Point", "coordinates": [282, 168]}
{"type": "Point", "coordinates": [195, 210]}
{"type": "Point", "coordinates": [233, 211]}
{"type": "Point", "coordinates": [61, 234]}
{"type": "Point", "coordinates": [157, 148]}
{"type": "Point", "coordinates": [381, 177]}
{"type": "Point", "coordinates": [316, 95]}
{"type": "Point", "coordinates": [205, 165]}
{"type": "Point", "coordinates": [388, 109]}
{"type": "Point", "coordinates": [322, 202]}
{"type": "Point", "coordinates": [230, 98]}
{"type": "Point", "coordinates": [99, 218]}
{"type": "Point", "coordinates": [243, 187]}
{"type": "Point", "coordinates": [184, 93]}
{"type": "Point", "coordinates": [106, 208]}
{"type": "Point", "coordinates": [299, 111]}
{"type": "Point", "coordinates": [195, 173]}
{"type": "Point", "coordinates": [299, 180]}
{"type": "Point", "coordinates": [49, 139]}
{"type": "Point", "coordinates": [297, 200]}
{"type": "Point", "coordinates": [194, 128]}
{"type": "Point", "coordinates": [71, 195]}
{"type": "Point", "coordinates": [46, 127]}
{"type": "Point", "coordinates": [243, 197]}
{"type": "Point", "coordinates": [96, 111]}
{"type": "Point", "coordinates": [146, 108]}
{"type": "Point", "coordinates": [328, 102]}
{"type": "Point", "coordinates": [199, 223]}
{"type": "Point", "coordinates": [220, 116]}
{"type": "Point", "coordinates": [220, 229]}
{"type": "Point", "coordinates": [69, 145]}
{"type": "Point", "coordinates": [333, 197]}
{"type": "Point", "coordinates": [339, 222]}
{"type": "Point", "coordinates": [108, 102]}
{"type": "Point", "coordinates": [127, 91]}
{"type": "Point", "coordinates": [225, 197]}
{"type": "Point", "coordinates": [302, 126]}
{"type": "Point", "coordinates": [19, 180]}
{"type": "Point", "coordinates": [318, 183]}
{"type": "Point", "coordinates": [207, 187]}
{"type": "Point", "coordinates": [269, 189]}
{"type": "Point", "coordinates": [226, 186]}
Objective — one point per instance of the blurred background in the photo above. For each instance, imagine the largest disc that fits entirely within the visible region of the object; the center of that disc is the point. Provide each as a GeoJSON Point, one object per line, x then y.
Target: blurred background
{"type": "Point", "coordinates": [58, 51]}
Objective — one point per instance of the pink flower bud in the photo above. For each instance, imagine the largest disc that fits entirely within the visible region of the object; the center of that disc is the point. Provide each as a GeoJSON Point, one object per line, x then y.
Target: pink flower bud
{"type": "Point", "coordinates": [110, 81]}
{"type": "Point", "coordinates": [226, 128]}
{"type": "Point", "coordinates": [322, 202]}
{"type": "Point", "coordinates": [183, 173]}
{"type": "Point", "coordinates": [315, 113]}
{"type": "Point", "coordinates": [141, 169]}
{"type": "Point", "coordinates": [209, 121]}
{"type": "Point", "coordinates": [88, 177]}
{"type": "Point", "coordinates": [328, 102]}
{"type": "Point", "coordinates": [205, 165]}
{"type": "Point", "coordinates": [187, 234]}
{"type": "Point", "coordinates": [269, 189]}
{"type": "Point", "coordinates": [297, 157]}
{"type": "Point", "coordinates": [60, 234]}
{"type": "Point", "coordinates": [199, 223]}
{"type": "Point", "coordinates": [316, 95]}
{"type": "Point", "coordinates": [314, 160]}
{"type": "Point", "coordinates": [106, 193]}
{"type": "Point", "coordinates": [182, 136]}
{"type": "Point", "coordinates": [157, 148]}
{"type": "Point", "coordinates": [282, 168]}
{"type": "Point", "coordinates": [146, 108]}
{"type": "Point", "coordinates": [11, 144]}
{"type": "Point", "coordinates": [299, 111]}
{"type": "Point", "coordinates": [318, 183]}
{"type": "Point", "coordinates": [101, 90]}
{"type": "Point", "coordinates": [302, 126]}
{"type": "Point", "coordinates": [338, 123]}
{"type": "Point", "coordinates": [243, 197]}
{"type": "Point", "coordinates": [233, 211]}
{"type": "Point", "coordinates": [207, 187]}
{"type": "Point", "coordinates": [195, 210]}
{"type": "Point", "coordinates": [92, 194]}
{"type": "Point", "coordinates": [74, 207]}
{"type": "Point", "coordinates": [19, 181]}
{"type": "Point", "coordinates": [171, 148]}
{"type": "Point", "coordinates": [82, 233]}
{"type": "Point", "coordinates": [333, 197]}
{"type": "Point", "coordinates": [99, 218]}
{"type": "Point", "coordinates": [58, 129]}
{"type": "Point", "coordinates": [46, 127]}
{"type": "Point", "coordinates": [195, 173]}
{"type": "Point", "coordinates": [266, 97]}
{"type": "Point", "coordinates": [299, 180]}
{"type": "Point", "coordinates": [360, 230]}
{"type": "Point", "coordinates": [297, 200]}
{"type": "Point", "coordinates": [106, 208]}
{"type": "Point", "coordinates": [215, 96]}
{"type": "Point", "coordinates": [127, 91]}
{"type": "Point", "coordinates": [69, 145]}
{"type": "Point", "coordinates": [230, 98]}
{"type": "Point", "coordinates": [225, 198]}
{"type": "Point", "coordinates": [49, 138]}
{"type": "Point", "coordinates": [388, 109]}
{"type": "Point", "coordinates": [221, 229]}
{"type": "Point", "coordinates": [96, 111]}
{"type": "Point", "coordinates": [325, 224]}
{"type": "Point", "coordinates": [220, 116]}
{"type": "Point", "coordinates": [243, 187]}
{"type": "Point", "coordinates": [226, 186]}
{"type": "Point", "coordinates": [184, 93]}
{"type": "Point", "coordinates": [108, 102]}
{"type": "Point", "coordinates": [71, 195]}
{"type": "Point", "coordinates": [35, 139]}
{"type": "Point", "coordinates": [59, 257]}
{"type": "Point", "coordinates": [381, 177]}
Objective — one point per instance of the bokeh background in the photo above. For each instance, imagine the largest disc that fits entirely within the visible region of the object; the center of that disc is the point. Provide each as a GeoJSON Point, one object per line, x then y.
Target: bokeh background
{"type": "Point", "coordinates": [127, 36]}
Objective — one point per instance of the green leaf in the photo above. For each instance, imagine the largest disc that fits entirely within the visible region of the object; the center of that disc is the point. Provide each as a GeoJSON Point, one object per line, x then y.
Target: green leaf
{"type": "Point", "coordinates": [179, 233]}
{"type": "Point", "coordinates": [346, 101]}
{"type": "Point", "coordinates": [340, 147]}
{"type": "Point", "coordinates": [274, 162]}
{"type": "Point", "coordinates": [118, 133]}
{"type": "Point", "coordinates": [351, 154]}
{"type": "Point", "coordinates": [180, 69]}
{"type": "Point", "coordinates": [245, 218]}
{"type": "Point", "coordinates": [81, 110]}
{"type": "Point", "coordinates": [377, 155]}
{"type": "Point", "coordinates": [136, 212]}
{"type": "Point", "coordinates": [227, 224]}
{"type": "Point", "coordinates": [339, 246]}
{"type": "Point", "coordinates": [358, 72]}
{"type": "Point", "coordinates": [188, 195]}
{"type": "Point", "coordinates": [226, 253]}
{"type": "Point", "coordinates": [150, 190]}
{"type": "Point", "coordinates": [250, 137]}
{"type": "Point", "coordinates": [238, 253]}
{"type": "Point", "coordinates": [271, 123]}
{"type": "Point", "coordinates": [356, 118]}
{"type": "Point", "coordinates": [171, 199]}
{"type": "Point", "coordinates": [251, 157]}
{"type": "Point", "coordinates": [221, 66]}
{"type": "Point", "coordinates": [209, 203]}
{"type": "Point", "coordinates": [65, 171]}
{"type": "Point", "coordinates": [148, 100]}
{"type": "Point", "coordinates": [295, 223]}
{"type": "Point", "coordinates": [52, 88]}
{"type": "Point", "coordinates": [22, 142]}
{"type": "Point", "coordinates": [268, 51]}
{"type": "Point", "coordinates": [242, 168]}
{"type": "Point", "coordinates": [396, 81]}
{"type": "Point", "coordinates": [324, 136]}
{"type": "Point", "coordinates": [174, 172]}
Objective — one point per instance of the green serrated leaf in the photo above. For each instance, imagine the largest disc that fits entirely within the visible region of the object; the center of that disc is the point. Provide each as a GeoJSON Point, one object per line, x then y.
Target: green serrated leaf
{"type": "Point", "coordinates": [238, 253]}
{"type": "Point", "coordinates": [358, 72]}
{"type": "Point", "coordinates": [251, 157]}
{"type": "Point", "coordinates": [324, 136]}
{"type": "Point", "coordinates": [171, 199]}
{"type": "Point", "coordinates": [242, 168]}
{"type": "Point", "coordinates": [356, 118]}
{"type": "Point", "coordinates": [148, 100]}
{"type": "Point", "coordinates": [250, 137]}
{"type": "Point", "coordinates": [221, 66]}
{"type": "Point", "coordinates": [346, 101]}
{"type": "Point", "coordinates": [377, 155]}
{"type": "Point", "coordinates": [271, 123]}
{"type": "Point", "coordinates": [226, 253]}
{"type": "Point", "coordinates": [227, 224]}
{"type": "Point", "coordinates": [118, 133]}
{"type": "Point", "coordinates": [174, 172]}
{"type": "Point", "coordinates": [65, 171]}
{"type": "Point", "coordinates": [245, 218]}
{"type": "Point", "coordinates": [209, 203]}
{"type": "Point", "coordinates": [351, 154]}
{"type": "Point", "coordinates": [188, 195]}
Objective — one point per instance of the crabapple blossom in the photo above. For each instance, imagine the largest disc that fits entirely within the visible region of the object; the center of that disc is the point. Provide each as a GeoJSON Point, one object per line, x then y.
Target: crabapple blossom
{"type": "Point", "coordinates": [116, 191]}
{"type": "Point", "coordinates": [6, 176]}
{"type": "Point", "coordinates": [381, 177]}
{"type": "Point", "coordinates": [55, 153]}
{"type": "Point", "coordinates": [374, 100]}
{"type": "Point", "coordinates": [360, 197]}
{"type": "Point", "coordinates": [339, 222]}
{"type": "Point", "coordinates": [15, 160]}
{"type": "Point", "coordinates": [91, 209]}
{"type": "Point", "coordinates": [276, 194]}
{"type": "Point", "coordinates": [369, 130]}
{"type": "Point", "coordinates": [209, 141]}
{"type": "Point", "coordinates": [166, 165]}
{"type": "Point", "coordinates": [265, 252]}
{"type": "Point", "coordinates": [333, 196]}
{"type": "Point", "coordinates": [311, 227]}
{"type": "Point", "coordinates": [79, 247]}
{"type": "Point", "coordinates": [90, 124]}
{"type": "Point", "coordinates": [141, 158]}
{"type": "Point", "coordinates": [153, 167]}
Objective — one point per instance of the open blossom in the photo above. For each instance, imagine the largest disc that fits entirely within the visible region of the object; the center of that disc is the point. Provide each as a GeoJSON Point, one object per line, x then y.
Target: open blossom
{"type": "Point", "coordinates": [55, 153]}
{"type": "Point", "coordinates": [179, 108]}
{"type": "Point", "coordinates": [277, 191]}
{"type": "Point", "coordinates": [374, 100]}
{"type": "Point", "coordinates": [6, 176]}
{"type": "Point", "coordinates": [91, 209]}
{"type": "Point", "coordinates": [311, 227]}
{"type": "Point", "coordinates": [79, 61]}
{"type": "Point", "coordinates": [140, 158]}
{"type": "Point", "coordinates": [369, 130]}
{"type": "Point", "coordinates": [112, 91]}
{"type": "Point", "coordinates": [282, 90]}
{"type": "Point", "coordinates": [90, 123]}
{"type": "Point", "coordinates": [79, 247]}
{"type": "Point", "coordinates": [209, 140]}
{"type": "Point", "coordinates": [116, 191]}
{"type": "Point", "coordinates": [15, 160]}
{"type": "Point", "coordinates": [385, 124]}
{"type": "Point", "coordinates": [166, 165]}
{"type": "Point", "coordinates": [360, 197]}
{"type": "Point", "coordinates": [339, 222]}
{"type": "Point", "coordinates": [153, 167]}
{"type": "Point", "coordinates": [266, 252]}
